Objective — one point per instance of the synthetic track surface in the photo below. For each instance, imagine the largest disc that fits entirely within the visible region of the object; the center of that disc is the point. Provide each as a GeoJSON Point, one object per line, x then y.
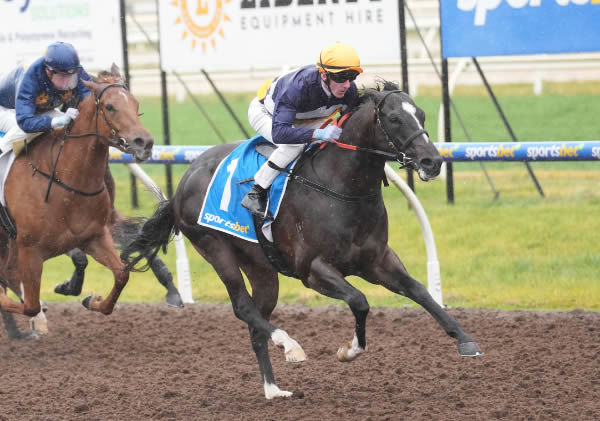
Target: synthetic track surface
{"type": "Point", "coordinates": [150, 362]}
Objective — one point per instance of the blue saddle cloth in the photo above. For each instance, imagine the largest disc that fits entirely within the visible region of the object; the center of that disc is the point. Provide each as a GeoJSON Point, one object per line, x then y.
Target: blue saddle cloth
{"type": "Point", "coordinates": [2, 134]}
{"type": "Point", "coordinates": [222, 209]}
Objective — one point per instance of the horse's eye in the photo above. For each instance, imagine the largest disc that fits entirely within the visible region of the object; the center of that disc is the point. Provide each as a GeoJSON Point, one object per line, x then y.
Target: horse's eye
{"type": "Point", "coordinates": [395, 119]}
{"type": "Point", "coordinates": [110, 108]}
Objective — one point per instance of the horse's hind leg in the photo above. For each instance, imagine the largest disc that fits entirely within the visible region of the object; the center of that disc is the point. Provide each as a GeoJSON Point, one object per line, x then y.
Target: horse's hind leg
{"type": "Point", "coordinates": [392, 274]}
{"type": "Point", "coordinates": [73, 286]}
{"type": "Point", "coordinates": [220, 256]}
{"type": "Point", "coordinates": [165, 278]}
{"type": "Point", "coordinates": [326, 280]}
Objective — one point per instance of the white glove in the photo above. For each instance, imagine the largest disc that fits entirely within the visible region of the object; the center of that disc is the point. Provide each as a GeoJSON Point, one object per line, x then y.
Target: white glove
{"type": "Point", "coordinates": [60, 122]}
{"type": "Point", "coordinates": [328, 134]}
{"type": "Point", "coordinates": [72, 113]}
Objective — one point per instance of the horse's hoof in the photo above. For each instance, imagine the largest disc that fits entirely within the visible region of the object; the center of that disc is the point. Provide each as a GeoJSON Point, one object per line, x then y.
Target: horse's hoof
{"type": "Point", "coordinates": [174, 299]}
{"type": "Point", "coordinates": [469, 349]}
{"type": "Point", "coordinates": [295, 355]}
{"type": "Point", "coordinates": [39, 326]}
{"type": "Point", "coordinates": [19, 335]}
{"type": "Point", "coordinates": [61, 289]}
{"type": "Point", "coordinates": [348, 353]}
{"type": "Point", "coordinates": [86, 302]}
{"type": "Point", "coordinates": [273, 391]}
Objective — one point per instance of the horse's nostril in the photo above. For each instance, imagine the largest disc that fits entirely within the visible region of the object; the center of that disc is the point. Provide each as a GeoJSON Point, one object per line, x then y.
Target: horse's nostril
{"type": "Point", "coordinates": [139, 142]}
{"type": "Point", "coordinates": [149, 143]}
{"type": "Point", "coordinates": [427, 163]}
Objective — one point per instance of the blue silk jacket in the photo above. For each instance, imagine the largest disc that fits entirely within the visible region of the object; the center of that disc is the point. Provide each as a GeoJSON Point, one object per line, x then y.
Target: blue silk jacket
{"type": "Point", "coordinates": [30, 92]}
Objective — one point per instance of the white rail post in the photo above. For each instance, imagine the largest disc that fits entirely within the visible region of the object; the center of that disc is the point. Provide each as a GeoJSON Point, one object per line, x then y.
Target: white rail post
{"type": "Point", "coordinates": [434, 280]}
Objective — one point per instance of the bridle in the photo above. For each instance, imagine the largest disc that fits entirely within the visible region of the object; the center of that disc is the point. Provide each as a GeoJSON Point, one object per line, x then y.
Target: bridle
{"type": "Point", "coordinates": [115, 140]}
{"type": "Point", "coordinates": [400, 154]}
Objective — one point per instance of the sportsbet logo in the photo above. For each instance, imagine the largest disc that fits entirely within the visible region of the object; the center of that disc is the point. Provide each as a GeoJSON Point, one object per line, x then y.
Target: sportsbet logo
{"type": "Point", "coordinates": [209, 217]}
{"type": "Point", "coordinates": [447, 151]}
{"type": "Point", "coordinates": [491, 151]}
{"type": "Point", "coordinates": [202, 20]}
{"type": "Point", "coordinates": [481, 7]}
{"type": "Point", "coordinates": [554, 151]}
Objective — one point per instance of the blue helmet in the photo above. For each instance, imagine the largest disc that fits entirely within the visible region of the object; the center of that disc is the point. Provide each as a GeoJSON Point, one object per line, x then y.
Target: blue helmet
{"type": "Point", "coordinates": [62, 57]}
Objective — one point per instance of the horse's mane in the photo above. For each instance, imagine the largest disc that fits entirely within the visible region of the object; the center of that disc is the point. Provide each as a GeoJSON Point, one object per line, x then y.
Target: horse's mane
{"type": "Point", "coordinates": [367, 94]}
{"type": "Point", "coordinates": [105, 76]}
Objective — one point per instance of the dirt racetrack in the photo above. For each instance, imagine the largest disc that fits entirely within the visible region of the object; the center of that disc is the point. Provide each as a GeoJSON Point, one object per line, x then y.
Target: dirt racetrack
{"type": "Point", "coordinates": [150, 362]}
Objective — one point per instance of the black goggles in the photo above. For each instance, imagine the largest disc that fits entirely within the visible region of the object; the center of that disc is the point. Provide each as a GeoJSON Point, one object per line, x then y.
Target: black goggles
{"type": "Point", "coordinates": [63, 72]}
{"type": "Point", "coordinates": [341, 77]}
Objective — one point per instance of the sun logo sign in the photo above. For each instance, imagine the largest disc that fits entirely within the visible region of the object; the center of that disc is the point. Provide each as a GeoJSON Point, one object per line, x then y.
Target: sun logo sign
{"type": "Point", "coordinates": [203, 20]}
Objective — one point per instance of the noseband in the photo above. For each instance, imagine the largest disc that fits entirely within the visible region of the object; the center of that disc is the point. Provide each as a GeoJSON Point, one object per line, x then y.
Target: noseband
{"type": "Point", "coordinates": [115, 140]}
{"type": "Point", "coordinates": [400, 155]}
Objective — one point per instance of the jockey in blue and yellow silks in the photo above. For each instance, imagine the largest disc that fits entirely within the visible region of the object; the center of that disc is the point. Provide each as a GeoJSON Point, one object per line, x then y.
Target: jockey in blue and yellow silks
{"type": "Point", "coordinates": [289, 109]}
{"type": "Point", "coordinates": [30, 97]}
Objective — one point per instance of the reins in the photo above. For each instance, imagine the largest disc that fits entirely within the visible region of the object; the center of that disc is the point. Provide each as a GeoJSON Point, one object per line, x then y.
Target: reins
{"type": "Point", "coordinates": [399, 156]}
{"type": "Point", "coordinates": [114, 141]}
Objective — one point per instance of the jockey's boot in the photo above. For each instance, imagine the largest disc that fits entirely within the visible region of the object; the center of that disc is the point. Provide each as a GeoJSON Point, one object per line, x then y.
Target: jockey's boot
{"type": "Point", "coordinates": [256, 201]}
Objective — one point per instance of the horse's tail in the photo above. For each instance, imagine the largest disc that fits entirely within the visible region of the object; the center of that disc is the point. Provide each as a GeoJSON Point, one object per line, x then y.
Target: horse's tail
{"type": "Point", "coordinates": [154, 234]}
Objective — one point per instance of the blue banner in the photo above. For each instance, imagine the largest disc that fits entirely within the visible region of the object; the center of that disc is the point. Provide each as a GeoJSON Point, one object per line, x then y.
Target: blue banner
{"type": "Point", "coordinates": [474, 28]}
{"type": "Point", "coordinates": [588, 150]}
{"type": "Point", "coordinates": [521, 151]}
{"type": "Point", "coordinates": [162, 154]}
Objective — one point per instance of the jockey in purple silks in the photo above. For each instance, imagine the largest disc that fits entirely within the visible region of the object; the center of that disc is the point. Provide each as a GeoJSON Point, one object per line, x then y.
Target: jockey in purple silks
{"type": "Point", "coordinates": [289, 110]}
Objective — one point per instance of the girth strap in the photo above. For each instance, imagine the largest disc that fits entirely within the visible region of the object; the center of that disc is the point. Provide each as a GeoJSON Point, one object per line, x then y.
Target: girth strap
{"type": "Point", "coordinates": [64, 186]}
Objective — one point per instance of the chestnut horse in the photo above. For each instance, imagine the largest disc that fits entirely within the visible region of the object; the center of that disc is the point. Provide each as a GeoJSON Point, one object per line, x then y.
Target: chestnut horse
{"type": "Point", "coordinates": [122, 227]}
{"type": "Point", "coordinates": [332, 223]}
{"type": "Point", "coordinates": [56, 194]}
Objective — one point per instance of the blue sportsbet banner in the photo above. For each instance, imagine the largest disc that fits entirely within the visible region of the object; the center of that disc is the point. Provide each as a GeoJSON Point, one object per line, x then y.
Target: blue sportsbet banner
{"type": "Point", "coordinates": [474, 28]}
{"type": "Point", "coordinates": [588, 150]}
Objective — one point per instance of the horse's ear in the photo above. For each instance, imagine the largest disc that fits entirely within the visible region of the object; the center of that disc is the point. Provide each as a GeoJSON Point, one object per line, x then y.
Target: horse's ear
{"type": "Point", "coordinates": [420, 116]}
{"type": "Point", "coordinates": [92, 86]}
{"type": "Point", "coordinates": [115, 71]}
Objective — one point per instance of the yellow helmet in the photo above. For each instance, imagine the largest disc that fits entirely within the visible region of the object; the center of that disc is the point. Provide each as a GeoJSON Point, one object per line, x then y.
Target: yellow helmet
{"type": "Point", "coordinates": [337, 58]}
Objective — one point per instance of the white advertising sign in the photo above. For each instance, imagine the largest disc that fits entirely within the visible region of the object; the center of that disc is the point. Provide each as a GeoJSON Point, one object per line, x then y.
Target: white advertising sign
{"type": "Point", "coordinates": [234, 34]}
{"type": "Point", "coordinates": [28, 26]}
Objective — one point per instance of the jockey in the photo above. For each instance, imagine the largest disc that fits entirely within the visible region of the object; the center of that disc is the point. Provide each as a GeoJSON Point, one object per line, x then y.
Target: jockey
{"type": "Point", "coordinates": [30, 97]}
{"type": "Point", "coordinates": [289, 109]}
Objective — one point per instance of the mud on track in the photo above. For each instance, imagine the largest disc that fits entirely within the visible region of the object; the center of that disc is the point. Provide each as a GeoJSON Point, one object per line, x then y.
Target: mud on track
{"type": "Point", "coordinates": [150, 362]}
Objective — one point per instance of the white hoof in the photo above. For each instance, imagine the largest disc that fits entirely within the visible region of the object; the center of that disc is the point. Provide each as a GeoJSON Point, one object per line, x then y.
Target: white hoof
{"type": "Point", "coordinates": [293, 351]}
{"type": "Point", "coordinates": [350, 351]}
{"type": "Point", "coordinates": [295, 355]}
{"type": "Point", "coordinates": [273, 391]}
{"type": "Point", "coordinates": [39, 324]}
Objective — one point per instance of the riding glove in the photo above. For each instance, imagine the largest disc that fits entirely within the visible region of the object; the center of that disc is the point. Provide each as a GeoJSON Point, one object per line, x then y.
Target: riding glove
{"type": "Point", "coordinates": [328, 134]}
{"type": "Point", "coordinates": [72, 113]}
{"type": "Point", "coordinates": [60, 122]}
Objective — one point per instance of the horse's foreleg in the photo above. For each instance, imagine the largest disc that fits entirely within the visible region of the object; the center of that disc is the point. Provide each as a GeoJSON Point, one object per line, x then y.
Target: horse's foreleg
{"type": "Point", "coordinates": [392, 274]}
{"type": "Point", "coordinates": [103, 252]}
{"type": "Point", "coordinates": [326, 280]}
{"type": "Point", "coordinates": [73, 286]}
{"type": "Point", "coordinates": [29, 273]}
